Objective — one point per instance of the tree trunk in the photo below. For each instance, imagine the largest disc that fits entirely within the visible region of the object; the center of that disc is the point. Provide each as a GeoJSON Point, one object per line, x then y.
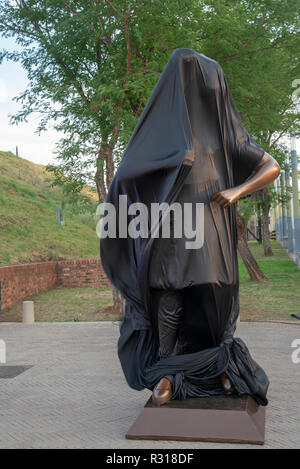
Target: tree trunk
{"type": "Point", "coordinates": [99, 180]}
{"type": "Point", "coordinates": [265, 198]}
{"type": "Point", "coordinates": [103, 180]}
{"type": "Point", "coordinates": [259, 227]}
{"type": "Point", "coordinates": [249, 261]}
{"type": "Point", "coordinates": [118, 301]}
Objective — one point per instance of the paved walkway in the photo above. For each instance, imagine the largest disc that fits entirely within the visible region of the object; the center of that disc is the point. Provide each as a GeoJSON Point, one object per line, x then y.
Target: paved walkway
{"type": "Point", "coordinates": [75, 395]}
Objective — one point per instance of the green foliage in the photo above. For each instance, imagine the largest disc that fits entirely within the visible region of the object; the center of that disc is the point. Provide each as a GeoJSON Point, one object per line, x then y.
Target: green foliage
{"type": "Point", "coordinates": [93, 65]}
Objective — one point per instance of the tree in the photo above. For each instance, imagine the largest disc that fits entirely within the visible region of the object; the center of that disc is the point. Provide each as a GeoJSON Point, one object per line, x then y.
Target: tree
{"type": "Point", "coordinates": [93, 64]}
{"type": "Point", "coordinates": [266, 102]}
{"type": "Point", "coordinates": [263, 200]}
{"type": "Point", "coordinates": [251, 265]}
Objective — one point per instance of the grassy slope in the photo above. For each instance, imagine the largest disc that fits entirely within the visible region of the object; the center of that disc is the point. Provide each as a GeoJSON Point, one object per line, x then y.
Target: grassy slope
{"type": "Point", "coordinates": [29, 230]}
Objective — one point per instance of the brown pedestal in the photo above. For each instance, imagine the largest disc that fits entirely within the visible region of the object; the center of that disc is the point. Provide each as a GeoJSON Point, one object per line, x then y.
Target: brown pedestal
{"type": "Point", "coordinates": [220, 419]}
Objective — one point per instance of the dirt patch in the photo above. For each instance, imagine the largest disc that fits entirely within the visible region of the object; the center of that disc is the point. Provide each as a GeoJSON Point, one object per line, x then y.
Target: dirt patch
{"type": "Point", "coordinates": [42, 196]}
{"type": "Point", "coordinates": [106, 313]}
{"type": "Point", "coordinates": [103, 314]}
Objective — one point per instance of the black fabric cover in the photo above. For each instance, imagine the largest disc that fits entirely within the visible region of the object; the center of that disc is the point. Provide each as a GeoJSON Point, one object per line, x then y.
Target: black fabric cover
{"type": "Point", "coordinates": [189, 118]}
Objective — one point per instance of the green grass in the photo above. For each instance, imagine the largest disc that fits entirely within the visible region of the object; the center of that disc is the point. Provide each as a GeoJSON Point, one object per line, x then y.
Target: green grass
{"type": "Point", "coordinates": [29, 231]}
{"type": "Point", "coordinates": [279, 297]}
{"type": "Point", "coordinates": [274, 300]}
{"type": "Point", "coordinates": [66, 304]}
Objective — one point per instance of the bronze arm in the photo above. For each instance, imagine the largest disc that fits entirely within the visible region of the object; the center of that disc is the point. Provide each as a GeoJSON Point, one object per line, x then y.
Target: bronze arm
{"type": "Point", "coordinates": [264, 173]}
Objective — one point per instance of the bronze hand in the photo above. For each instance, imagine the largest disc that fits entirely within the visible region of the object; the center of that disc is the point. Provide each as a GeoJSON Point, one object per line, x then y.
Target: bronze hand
{"type": "Point", "coordinates": [265, 172]}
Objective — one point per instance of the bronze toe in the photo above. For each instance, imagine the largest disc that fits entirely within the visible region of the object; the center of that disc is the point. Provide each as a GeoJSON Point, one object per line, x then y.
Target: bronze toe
{"type": "Point", "coordinates": [162, 392]}
{"type": "Point", "coordinates": [227, 384]}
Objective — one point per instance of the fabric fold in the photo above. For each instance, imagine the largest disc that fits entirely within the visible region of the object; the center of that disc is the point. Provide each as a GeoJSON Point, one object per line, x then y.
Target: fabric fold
{"type": "Point", "coordinates": [188, 143]}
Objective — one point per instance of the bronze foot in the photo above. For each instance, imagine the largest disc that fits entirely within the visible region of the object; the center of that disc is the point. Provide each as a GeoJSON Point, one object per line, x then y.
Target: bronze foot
{"type": "Point", "coordinates": [227, 384]}
{"type": "Point", "coordinates": [162, 392]}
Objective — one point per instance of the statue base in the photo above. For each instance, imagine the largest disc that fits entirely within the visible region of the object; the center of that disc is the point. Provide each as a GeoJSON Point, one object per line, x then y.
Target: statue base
{"type": "Point", "coordinates": [223, 419]}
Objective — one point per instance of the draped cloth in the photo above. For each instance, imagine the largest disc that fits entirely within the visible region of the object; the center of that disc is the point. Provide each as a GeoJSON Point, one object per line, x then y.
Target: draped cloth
{"type": "Point", "coordinates": [188, 143]}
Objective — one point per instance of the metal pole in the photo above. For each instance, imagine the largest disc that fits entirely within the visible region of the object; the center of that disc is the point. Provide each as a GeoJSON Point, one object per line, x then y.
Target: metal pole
{"type": "Point", "coordinates": [276, 215]}
{"type": "Point", "coordinates": [279, 220]}
{"type": "Point", "coordinates": [289, 209]}
{"type": "Point", "coordinates": [284, 212]}
{"type": "Point", "coordinates": [295, 199]}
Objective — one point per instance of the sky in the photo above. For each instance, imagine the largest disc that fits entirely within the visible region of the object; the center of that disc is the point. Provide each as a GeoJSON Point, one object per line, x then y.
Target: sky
{"type": "Point", "coordinates": [13, 80]}
{"type": "Point", "coordinates": [39, 149]}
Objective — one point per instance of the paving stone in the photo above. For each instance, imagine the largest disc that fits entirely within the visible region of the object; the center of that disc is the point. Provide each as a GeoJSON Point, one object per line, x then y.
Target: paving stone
{"type": "Point", "coordinates": [75, 394]}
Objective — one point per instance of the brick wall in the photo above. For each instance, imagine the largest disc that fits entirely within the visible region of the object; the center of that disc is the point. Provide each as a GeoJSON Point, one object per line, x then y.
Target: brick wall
{"type": "Point", "coordinates": [20, 281]}
{"type": "Point", "coordinates": [82, 273]}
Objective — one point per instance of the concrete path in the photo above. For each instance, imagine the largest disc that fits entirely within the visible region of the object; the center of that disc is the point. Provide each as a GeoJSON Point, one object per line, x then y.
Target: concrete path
{"type": "Point", "coordinates": [75, 395]}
